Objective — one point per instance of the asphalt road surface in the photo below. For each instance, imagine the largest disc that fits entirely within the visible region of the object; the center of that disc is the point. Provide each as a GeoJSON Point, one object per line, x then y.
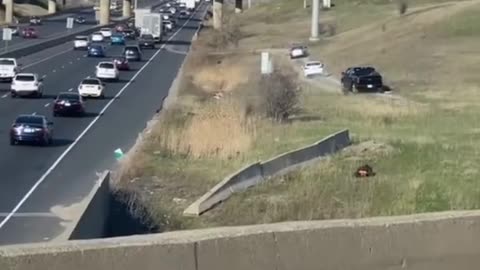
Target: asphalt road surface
{"type": "Point", "coordinates": [62, 174]}
{"type": "Point", "coordinates": [53, 27]}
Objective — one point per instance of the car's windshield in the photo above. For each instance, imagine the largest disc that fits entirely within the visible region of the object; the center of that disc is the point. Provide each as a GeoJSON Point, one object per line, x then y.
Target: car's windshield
{"type": "Point", "coordinates": [91, 81]}
{"type": "Point", "coordinates": [29, 120]}
{"type": "Point", "coordinates": [6, 62]}
{"type": "Point", "coordinates": [25, 78]}
{"type": "Point", "coordinates": [106, 65]}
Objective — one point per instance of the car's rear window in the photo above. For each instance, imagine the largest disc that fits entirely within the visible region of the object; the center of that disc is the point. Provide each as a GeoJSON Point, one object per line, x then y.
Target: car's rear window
{"type": "Point", "coordinates": [25, 78]}
{"type": "Point", "coordinates": [313, 64]}
{"type": "Point", "coordinates": [81, 38]}
{"type": "Point", "coordinates": [29, 120]}
{"type": "Point", "coordinates": [68, 96]}
{"type": "Point", "coordinates": [91, 81]}
{"type": "Point", "coordinates": [147, 36]}
{"type": "Point", "coordinates": [135, 49]}
{"type": "Point", "coordinates": [106, 65]}
{"type": "Point", "coordinates": [105, 29]}
{"type": "Point", "coordinates": [6, 62]}
{"type": "Point", "coordinates": [96, 47]}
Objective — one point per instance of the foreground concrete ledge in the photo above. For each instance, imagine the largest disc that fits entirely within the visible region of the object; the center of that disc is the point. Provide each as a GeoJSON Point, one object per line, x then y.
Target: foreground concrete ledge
{"type": "Point", "coordinates": [193, 236]}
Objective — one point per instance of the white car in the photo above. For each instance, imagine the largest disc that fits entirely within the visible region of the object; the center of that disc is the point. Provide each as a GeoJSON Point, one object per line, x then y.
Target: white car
{"type": "Point", "coordinates": [107, 71]}
{"type": "Point", "coordinates": [312, 68]}
{"type": "Point", "coordinates": [165, 17]}
{"type": "Point", "coordinates": [168, 25]}
{"type": "Point", "coordinates": [81, 42]}
{"type": "Point", "coordinates": [97, 37]}
{"type": "Point", "coordinates": [298, 51]}
{"type": "Point", "coordinates": [96, 8]}
{"type": "Point", "coordinates": [172, 10]}
{"type": "Point", "coordinates": [26, 84]}
{"type": "Point", "coordinates": [91, 87]}
{"type": "Point", "coordinates": [8, 68]}
{"type": "Point", "coordinates": [106, 32]}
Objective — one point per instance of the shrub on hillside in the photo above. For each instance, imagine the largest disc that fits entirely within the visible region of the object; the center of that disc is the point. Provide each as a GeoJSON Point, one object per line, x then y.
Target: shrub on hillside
{"type": "Point", "coordinates": [230, 34]}
{"type": "Point", "coordinates": [279, 95]}
{"type": "Point", "coordinates": [402, 6]}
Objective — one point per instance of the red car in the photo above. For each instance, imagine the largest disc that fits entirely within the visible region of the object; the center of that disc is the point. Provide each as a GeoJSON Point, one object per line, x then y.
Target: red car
{"type": "Point", "coordinates": [120, 27]}
{"type": "Point", "coordinates": [122, 63]}
{"type": "Point", "coordinates": [29, 33]}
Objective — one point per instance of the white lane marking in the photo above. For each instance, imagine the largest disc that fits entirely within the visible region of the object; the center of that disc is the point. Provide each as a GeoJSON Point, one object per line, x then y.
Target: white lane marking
{"type": "Point", "coordinates": [63, 66]}
{"type": "Point", "coordinates": [45, 59]}
{"type": "Point", "coordinates": [34, 113]}
{"type": "Point", "coordinates": [4, 96]}
{"type": "Point", "coordinates": [70, 90]}
{"type": "Point", "coordinates": [70, 147]}
{"type": "Point", "coordinates": [44, 76]}
{"type": "Point", "coordinates": [46, 105]}
{"type": "Point", "coordinates": [54, 71]}
{"type": "Point", "coordinates": [31, 214]}
{"type": "Point", "coordinates": [70, 62]}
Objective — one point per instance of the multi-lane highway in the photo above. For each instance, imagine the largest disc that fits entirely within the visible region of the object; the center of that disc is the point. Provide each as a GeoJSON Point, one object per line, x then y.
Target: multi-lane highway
{"type": "Point", "coordinates": [39, 186]}
{"type": "Point", "coordinates": [52, 27]}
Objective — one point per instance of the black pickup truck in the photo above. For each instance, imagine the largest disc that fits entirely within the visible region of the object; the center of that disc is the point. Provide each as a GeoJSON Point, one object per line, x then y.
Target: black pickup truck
{"type": "Point", "coordinates": [355, 79]}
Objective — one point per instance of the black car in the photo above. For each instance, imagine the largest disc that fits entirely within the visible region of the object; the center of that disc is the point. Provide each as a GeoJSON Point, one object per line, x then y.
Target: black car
{"type": "Point", "coordinates": [80, 20]}
{"type": "Point", "coordinates": [132, 53]}
{"type": "Point", "coordinates": [355, 79]}
{"type": "Point", "coordinates": [35, 20]}
{"type": "Point", "coordinates": [146, 41]}
{"type": "Point", "coordinates": [31, 129]}
{"type": "Point", "coordinates": [68, 103]}
{"type": "Point", "coordinates": [130, 34]}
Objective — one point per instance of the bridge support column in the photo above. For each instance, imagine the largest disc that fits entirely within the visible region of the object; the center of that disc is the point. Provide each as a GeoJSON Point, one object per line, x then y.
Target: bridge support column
{"type": "Point", "coordinates": [238, 6]}
{"type": "Point", "coordinates": [8, 11]}
{"type": "Point", "coordinates": [52, 6]}
{"type": "Point", "coordinates": [217, 14]}
{"type": "Point", "coordinates": [104, 12]}
{"type": "Point", "coordinates": [315, 18]}
{"type": "Point", "coordinates": [127, 8]}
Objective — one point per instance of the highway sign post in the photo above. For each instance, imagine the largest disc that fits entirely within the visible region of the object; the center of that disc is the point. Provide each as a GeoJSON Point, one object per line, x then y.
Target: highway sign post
{"type": "Point", "coordinates": [69, 23]}
{"type": "Point", "coordinates": [6, 36]}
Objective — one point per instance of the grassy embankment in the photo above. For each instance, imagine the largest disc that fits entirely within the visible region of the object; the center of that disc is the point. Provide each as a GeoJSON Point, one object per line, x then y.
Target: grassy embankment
{"type": "Point", "coordinates": [423, 146]}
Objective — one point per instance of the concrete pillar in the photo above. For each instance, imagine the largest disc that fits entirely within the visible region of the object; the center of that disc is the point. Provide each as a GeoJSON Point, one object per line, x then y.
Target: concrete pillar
{"type": "Point", "coordinates": [217, 14]}
{"type": "Point", "coordinates": [52, 6]}
{"type": "Point", "coordinates": [315, 18]}
{"type": "Point", "coordinates": [8, 11]}
{"type": "Point", "coordinates": [238, 6]}
{"type": "Point", "coordinates": [127, 8]}
{"type": "Point", "coordinates": [104, 12]}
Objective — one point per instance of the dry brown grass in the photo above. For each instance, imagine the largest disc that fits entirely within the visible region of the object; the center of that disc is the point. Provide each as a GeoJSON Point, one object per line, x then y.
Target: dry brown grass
{"type": "Point", "coordinates": [223, 77]}
{"type": "Point", "coordinates": [220, 129]}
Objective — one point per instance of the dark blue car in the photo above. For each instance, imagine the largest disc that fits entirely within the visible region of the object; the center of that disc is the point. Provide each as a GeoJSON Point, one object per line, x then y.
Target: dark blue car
{"type": "Point", "coordinates": [96, 50]}
{"type": "Point", "coordinates": [31, 129]}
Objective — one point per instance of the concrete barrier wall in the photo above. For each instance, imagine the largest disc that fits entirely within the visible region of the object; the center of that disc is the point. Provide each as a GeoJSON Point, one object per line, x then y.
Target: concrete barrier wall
{"type": "Point", "coordinates": [441, 241]}
{"type": "Point", "coordinates": [94, 219]}
{"type": "Point", "coordinates": [258, 172]}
